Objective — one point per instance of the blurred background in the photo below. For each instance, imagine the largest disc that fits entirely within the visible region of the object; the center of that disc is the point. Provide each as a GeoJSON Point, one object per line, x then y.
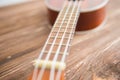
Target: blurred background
{"type": "Point", "coordinates": [24, 28]}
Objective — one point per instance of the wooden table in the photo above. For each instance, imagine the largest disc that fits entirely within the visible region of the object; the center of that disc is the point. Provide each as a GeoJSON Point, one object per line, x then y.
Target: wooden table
{"type": "Point", "coordinates": [25, 27]}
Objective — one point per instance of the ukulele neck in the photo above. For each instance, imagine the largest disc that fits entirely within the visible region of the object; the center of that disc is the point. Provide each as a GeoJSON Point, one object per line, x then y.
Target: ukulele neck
{"type": "Point", "coordinates": [63, 29]}
{"type": "Point", "coordinates": [58, 43]}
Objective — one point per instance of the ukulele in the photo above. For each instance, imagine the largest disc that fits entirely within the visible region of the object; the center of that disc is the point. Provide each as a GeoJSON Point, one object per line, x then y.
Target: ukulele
{"type": "Point", "coordinates": [73, 15]}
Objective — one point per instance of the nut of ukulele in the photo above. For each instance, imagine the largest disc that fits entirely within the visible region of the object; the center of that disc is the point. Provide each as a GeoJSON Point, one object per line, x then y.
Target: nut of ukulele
{"type": "Point", "coordinates": [46, 74]}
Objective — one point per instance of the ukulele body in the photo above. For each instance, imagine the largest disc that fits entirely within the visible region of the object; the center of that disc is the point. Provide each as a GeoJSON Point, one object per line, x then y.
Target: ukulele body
{"type": "Point", "coordinates": [90, 17]}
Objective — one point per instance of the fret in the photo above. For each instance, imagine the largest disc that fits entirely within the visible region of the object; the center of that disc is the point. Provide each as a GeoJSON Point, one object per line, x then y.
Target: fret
{"type": "Point", "coordinates": [63, 27]}
{"type": "Point", "coordinates": [53, 34]}
{"type": "Point", "coordinates": [54, 52]}
{"type": "Point", "coordinates": [65, 20]}
{"type": "Point", "coordinates": [57, 40]}
{"type": "Point", "coordinates": [55, 47]}
{"type": "Point", "coordinates": [60, 37]}
{"type": "Point", "coordinates": [62, 49]}
{"type": "Point", "coordinates": [58, 44]}
{"type": "Point", "coordinates": [69, 30]}
{"type": "Point", "coordinates": [60, 19]}
{"type": "Point", "coordinates": [69, 13]}
{"type": "Point", "coordinates": [63, 32]}
{"type": "Point", "coordinates": [73, 13]}
{"type": "Point", "coordinates": [67, 17]}
{"type": "Point", "coordinates": [59, 34]}
{"type": "Point", "coordinates": [64, 24]}
{"type": "Point", "coordinates": [67, 35]}
{"type": "Point", "coordinates": [65, 41]}
{"type": "Point", "coordinates": [60, 23]}
{"type": "Point", "coordinates": [50, 40]}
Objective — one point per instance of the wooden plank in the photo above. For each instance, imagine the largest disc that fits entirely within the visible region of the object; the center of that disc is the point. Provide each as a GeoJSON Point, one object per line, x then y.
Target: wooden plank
{"type": "Point", "coordinates": [93, 56]}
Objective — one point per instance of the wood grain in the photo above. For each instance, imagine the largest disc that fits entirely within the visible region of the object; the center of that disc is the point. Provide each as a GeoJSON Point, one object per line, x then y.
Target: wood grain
{"type": "Point", "coordinates": [94, 55]}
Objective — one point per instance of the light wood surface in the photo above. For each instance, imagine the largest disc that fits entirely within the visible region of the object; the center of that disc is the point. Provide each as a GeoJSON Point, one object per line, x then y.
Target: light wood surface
{"type": "Point", "coordinates": [24, 29]}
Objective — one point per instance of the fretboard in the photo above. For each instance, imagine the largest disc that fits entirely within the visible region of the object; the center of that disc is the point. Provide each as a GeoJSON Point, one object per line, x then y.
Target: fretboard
{"type": "Point", "coordinates": [59, 40]}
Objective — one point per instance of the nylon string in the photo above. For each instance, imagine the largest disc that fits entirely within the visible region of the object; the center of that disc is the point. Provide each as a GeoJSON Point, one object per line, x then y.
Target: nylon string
{"type": "Point", "coordinates": [64, 55]}
{"type": "Point", "coordinates": [49, 53]}
{"type": "Point", "coordinates": [58, 50]}
{"type": "Point", "coordinates": [34, 77]}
